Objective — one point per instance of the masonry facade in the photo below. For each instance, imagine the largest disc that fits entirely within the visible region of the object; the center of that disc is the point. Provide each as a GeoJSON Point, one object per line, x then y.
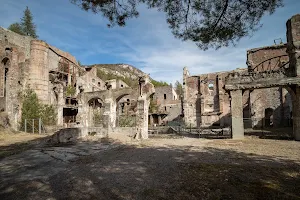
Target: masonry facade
{"type": "Point", "coordinates": [58, 80]}
{"type": "Point", "coordinates": [264, 94]}
{"type": "Point", "coordinates": [168, 106]}
{"type": "Point", "coordinates": [207, 103]}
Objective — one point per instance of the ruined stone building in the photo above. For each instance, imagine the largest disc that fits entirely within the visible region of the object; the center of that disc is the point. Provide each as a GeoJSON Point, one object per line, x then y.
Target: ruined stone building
{"type": "Point", "coordinates": [207, 103]}
{"type": "Point", "coordinates": [78, 95]}
{"type": "Point", "coordinates": [168, 106]}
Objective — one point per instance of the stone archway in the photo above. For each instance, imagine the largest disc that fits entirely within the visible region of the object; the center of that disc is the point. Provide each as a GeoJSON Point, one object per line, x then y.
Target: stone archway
{"type": "Point", "coordinates": [126, 110]}
{"type": "Point", "coordinates": [4, 68]}
{"type": "Point", "coordinates": [95, 111]}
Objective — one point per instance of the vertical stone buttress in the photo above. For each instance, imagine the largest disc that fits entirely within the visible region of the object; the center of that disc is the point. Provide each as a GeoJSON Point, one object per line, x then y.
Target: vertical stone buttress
{"type": "Point", "coordinates": [12, 92]}
{"type": "Point", "coordinates": [143, 102]}
{"type": "Point", "coordinates": [293, 49]}
{"type": "Point", "coordinates": [142, 117]}
{"type": "Point", "coordinates": [38, 70]}
{"type": "Point", "coordinates": [296, 114]}
{"type": "Point", "coordinates": [185, 94]}
{"type": "Point", "coordinates": [237, 114]}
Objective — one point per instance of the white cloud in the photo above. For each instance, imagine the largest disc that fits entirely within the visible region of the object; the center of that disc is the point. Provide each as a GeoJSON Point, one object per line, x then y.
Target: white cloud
{"type": "Point", "coordinates": [146, 42]}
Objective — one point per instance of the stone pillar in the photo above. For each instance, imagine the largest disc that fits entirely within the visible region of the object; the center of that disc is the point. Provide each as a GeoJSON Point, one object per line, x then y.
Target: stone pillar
{"type": "Point", "coordinates": [296, 114]}
{"type": "Point", "coordinates": [12, 90]}
{"type": "Point", "coordinates": [60, 105]}
{"type": "Point", "coordinates": [293, 44]}
{"type": "Point", "coordinates": [142, 118]}
{"type": "Point", "coordinates": [237, 114]}
{"type": "Point", "coordinates": [109, 114]}
{"type": "Point", "coordinates": [159, 120]}
{"type": "Point", "coordinates": [38, 70]}
{"type": "Point", "coordinates": [151, 120]}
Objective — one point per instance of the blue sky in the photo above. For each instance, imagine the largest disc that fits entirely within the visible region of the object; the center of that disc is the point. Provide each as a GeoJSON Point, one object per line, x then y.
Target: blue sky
{"type": "Point", "coordinates": [146, 42]}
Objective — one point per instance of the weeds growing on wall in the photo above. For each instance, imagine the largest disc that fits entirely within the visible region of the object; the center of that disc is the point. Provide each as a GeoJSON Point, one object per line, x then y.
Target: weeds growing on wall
{"type": "Point", "coordinates": [70, 91]}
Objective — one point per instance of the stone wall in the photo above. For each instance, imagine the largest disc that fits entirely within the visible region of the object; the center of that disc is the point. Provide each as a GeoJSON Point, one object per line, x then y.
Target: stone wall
{"type": "Point", "coordinates": [166, 98]}
{"type": "Point", "coordinates": [191, 99]}
{"type": "Point", "coordinates": [89, 82]}
{"type": "Point", "coordinates": [16, 39]}
{"type": "Point", "coordinates": [261, 59]}
{"type": "Point", "coordinates": [205, 101]}
{"type": "Point", "coordinates": [276, 99]}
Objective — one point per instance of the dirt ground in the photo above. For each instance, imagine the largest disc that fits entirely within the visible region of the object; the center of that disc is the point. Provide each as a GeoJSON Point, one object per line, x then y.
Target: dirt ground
{"type": "Point", "coordinates": [162, 167]}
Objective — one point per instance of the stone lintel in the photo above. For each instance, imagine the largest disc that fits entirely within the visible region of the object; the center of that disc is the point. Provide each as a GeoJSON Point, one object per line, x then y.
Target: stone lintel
{"type": "Point", "coordinates": [263, 84]}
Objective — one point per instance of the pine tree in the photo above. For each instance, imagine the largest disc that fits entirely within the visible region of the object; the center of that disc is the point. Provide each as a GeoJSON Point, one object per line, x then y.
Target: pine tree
{"type": "Point", "coordinates": [27, 24]}
{"type": "Point", "coordinates": [16, 27]}
{"type": "Point", "coordinates": [178, 88]}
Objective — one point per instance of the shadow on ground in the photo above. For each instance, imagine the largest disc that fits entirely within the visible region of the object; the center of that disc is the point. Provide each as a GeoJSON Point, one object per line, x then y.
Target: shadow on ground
{"type": "Point", "coordinates": [144, 172]}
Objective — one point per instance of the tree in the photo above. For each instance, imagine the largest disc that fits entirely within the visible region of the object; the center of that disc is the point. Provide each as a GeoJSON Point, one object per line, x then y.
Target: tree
{"type": "Point", "coordinates": [159, 83]}
{"type": "Point", "coordinates": [26, 27]}
{"type": "Point", "coordinates": [27, 24]}
{"type": "Point", "coordinates": [33, 109]}
{"type": "Point", "coordinates": [178, 88]}
{"type": "Point", "coordinates": [208, 23]}
{"type": "Point", "coordinates": [16, 27]}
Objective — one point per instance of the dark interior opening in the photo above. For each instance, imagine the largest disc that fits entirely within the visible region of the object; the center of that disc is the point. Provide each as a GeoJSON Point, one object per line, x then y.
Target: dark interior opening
{"type": "Point", "coordinates": [69, 115]}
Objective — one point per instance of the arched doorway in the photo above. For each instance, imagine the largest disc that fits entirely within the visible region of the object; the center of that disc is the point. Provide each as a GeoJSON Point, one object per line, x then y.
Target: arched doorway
{"type": "Point", "coordinates": [126, 111]}
{"type": "Point", "coordinates": [4, 67]}
{"type": "Point", "coordinates": [269, 117]}
{"type": "Point", "coordinates": [96, 111]}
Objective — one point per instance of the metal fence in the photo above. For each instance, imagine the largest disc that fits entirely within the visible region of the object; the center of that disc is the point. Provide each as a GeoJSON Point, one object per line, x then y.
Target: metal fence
{"type": "Point", "coordinates": [33, 126]}
{"type": "Point", "coordinates": [267, 122]}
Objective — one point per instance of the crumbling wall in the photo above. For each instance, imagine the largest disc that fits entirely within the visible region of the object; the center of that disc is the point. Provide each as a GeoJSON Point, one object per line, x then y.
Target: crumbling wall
{"type": "Point", "coordinates": [191, 99]}
{"type": "Point", "coordinates": [277, 99]}
{"type": "Point", "coordinates": [166, 98]}
{"type": "Point", "coordinates": [206, 103]}
{"type": "Point", "coordinates": [15, 39]}
{"type": "Point", "coordinates": [261, 59]}
{"type": "Point", "coordinates": [89, 82]}
{"type": "Point", "coordinates": [12, 63]}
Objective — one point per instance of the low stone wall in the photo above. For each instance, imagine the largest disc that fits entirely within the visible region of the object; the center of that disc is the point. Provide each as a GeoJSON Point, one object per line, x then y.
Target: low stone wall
{"type": "Point", "coordinates": [129, 131]}
{"type": "Point", "coordinates": [94, 131]}
{"type": "Point", "coordinates": [67, 135]}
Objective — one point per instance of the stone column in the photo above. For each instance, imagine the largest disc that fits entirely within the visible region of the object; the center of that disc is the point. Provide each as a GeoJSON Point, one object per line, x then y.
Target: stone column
{"type": "Point", "coordinates": [237, 114]}
{"type": "Point", "coordinates": [151, 120]}
{"type": "Point", "coordinates": [12, 103]}
{"type": "Point", "coordinates": [142, 118]}
{"type": "Point", "coordinates": [296, 114]}
{"type": "Point", "coordinates": [60, 106]}
{"type": "Point", "coordinates": [109, 114]}
{"type": "Point", "coordinates": [38, 69]}
{"type": "Point", "coordinates": [159, 120]}
{"type": "Point", "coordinates": [293, 44]}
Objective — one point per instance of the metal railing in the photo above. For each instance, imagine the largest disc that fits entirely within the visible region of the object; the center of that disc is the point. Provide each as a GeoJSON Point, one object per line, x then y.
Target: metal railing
{"type": "Point", "coordinates": [33, 126]}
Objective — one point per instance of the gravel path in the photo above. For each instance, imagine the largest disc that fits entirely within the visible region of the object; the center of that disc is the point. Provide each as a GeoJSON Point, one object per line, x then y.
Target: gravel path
{"type": "Point", "coordinates": [159, 168]}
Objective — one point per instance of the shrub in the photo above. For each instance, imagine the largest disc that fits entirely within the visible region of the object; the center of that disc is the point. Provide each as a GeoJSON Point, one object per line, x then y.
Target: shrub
{"type": "Point", "coordinates": [33, 109]}
{"type": "Point", "coordinates": [70, 91]}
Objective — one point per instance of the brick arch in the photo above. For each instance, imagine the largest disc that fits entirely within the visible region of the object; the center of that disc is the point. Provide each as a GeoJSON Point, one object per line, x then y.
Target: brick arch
{"type": "Point", "coordinates": [95, 98]}
{"type": "Point", "coordinates": [117, 95]}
